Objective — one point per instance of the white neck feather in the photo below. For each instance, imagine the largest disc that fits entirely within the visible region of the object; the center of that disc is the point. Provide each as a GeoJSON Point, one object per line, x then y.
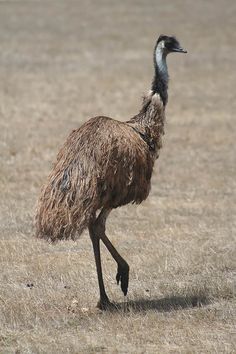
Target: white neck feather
{"type": "Point", "coordinates": [161, 60]}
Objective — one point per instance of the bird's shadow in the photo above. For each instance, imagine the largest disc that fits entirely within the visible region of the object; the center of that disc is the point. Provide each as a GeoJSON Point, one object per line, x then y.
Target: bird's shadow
{"type": "Point", "coordinates": [167, 304]}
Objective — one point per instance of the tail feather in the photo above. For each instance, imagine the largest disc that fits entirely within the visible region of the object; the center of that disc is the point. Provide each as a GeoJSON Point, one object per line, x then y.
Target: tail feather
{"type": "Point", "coordinates": [66, 204]}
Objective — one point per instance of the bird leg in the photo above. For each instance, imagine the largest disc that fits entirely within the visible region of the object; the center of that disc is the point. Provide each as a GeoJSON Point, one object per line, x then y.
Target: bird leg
{"type": "Point", "coordinates": [122, 275]}
{"type": "Point", "coordinates": [104, 302]}
{"type": "Point", "coordinates": [123, 267]}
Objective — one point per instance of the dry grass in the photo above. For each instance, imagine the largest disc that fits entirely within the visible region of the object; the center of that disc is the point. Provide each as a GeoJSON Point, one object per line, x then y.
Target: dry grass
{"type": "Point", "coordinates": [62, 62]}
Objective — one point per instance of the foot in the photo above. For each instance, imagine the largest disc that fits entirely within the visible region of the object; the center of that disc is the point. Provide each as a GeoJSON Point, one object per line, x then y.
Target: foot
{"type": "Point", "coordinates": [122, 276]}
{"type": "Point", "coordinates": [105, 304]}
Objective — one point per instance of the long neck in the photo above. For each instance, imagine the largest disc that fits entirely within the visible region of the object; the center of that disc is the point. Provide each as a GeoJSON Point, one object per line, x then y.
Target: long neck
{"type": "Point", "coordinates": [149, 122]}
{"type": "Point", "coordinates": [153, 107]}
{"type": "Point", "coordinates": [161, 77]}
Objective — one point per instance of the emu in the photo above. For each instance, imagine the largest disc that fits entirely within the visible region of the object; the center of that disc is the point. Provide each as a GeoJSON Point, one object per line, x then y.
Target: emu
{"type": "Point", "coordinates": [103, 165]}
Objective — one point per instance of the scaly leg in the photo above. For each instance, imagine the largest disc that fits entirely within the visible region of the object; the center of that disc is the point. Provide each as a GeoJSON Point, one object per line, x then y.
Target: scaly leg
{"type": "Point", "coordinates": [123, 267]}
{"type": "Point", "coordinates": [104, 302]}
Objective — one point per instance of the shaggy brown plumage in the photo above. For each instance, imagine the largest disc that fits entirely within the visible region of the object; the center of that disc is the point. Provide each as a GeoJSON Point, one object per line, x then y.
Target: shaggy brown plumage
{"type": "Point", "coordinates": [102, 165]}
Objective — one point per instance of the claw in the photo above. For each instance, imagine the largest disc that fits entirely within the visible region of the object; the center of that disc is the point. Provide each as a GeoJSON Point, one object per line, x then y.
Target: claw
{"type": "Point", "coordinates": [122, 277]}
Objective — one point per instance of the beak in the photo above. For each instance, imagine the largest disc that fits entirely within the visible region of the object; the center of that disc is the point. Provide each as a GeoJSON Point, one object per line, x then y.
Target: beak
{"type": "Point", "coordinates": [179, 50]}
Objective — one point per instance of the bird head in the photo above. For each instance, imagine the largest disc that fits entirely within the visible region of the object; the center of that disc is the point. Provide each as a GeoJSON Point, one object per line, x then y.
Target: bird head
{"type": "Point", "coordinates": [168, 44]}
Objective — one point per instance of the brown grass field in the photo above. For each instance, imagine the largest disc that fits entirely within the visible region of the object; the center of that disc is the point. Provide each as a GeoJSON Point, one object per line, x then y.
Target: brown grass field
{"type": "Point", "coordinates": [62, 62]}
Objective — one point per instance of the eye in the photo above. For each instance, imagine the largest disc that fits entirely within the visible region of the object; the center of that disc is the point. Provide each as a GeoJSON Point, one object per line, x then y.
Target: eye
{"type": "Point", "coordinates": [168, 44]}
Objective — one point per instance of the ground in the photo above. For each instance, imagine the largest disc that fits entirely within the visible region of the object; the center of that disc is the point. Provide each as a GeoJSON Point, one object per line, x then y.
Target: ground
{"type": "Point", "coordinates": [62, 62]}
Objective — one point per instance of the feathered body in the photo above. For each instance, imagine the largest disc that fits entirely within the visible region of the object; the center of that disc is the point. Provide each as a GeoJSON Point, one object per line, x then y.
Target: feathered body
{"type": "Point", "coordinates": [103, 164]}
